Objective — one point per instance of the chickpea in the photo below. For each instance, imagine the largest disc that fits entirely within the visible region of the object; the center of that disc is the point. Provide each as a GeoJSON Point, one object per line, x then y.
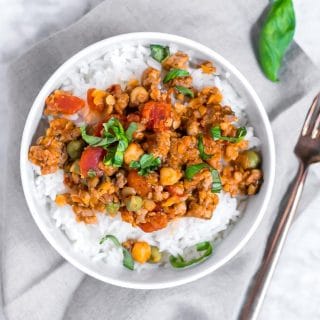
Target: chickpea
{"type": "Point", "coordinates": [169, 176]}
{"type": "Point", "coordinates": [133, 153]}
{"type": "Point", "coordinates": [128, 191]}
{"type": "Point", "coordinates": [193, 128]}
{"type": "Point", "coordinates": [133, 203]}
{"type": "Point", "coordinates": [138, 95]}
{"type": "Point", "coordinates": [141, 252]}
{"type": "Point", "coordinates": [110, 100]}
{"type": "Point", "coordinates": [155, 255]}
{"type": "Point", "coordinates": [249, 159]}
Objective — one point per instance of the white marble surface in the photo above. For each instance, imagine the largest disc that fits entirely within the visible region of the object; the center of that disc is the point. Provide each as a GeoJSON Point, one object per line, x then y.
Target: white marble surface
{"type": "Point", "coordinates": [295, 289]}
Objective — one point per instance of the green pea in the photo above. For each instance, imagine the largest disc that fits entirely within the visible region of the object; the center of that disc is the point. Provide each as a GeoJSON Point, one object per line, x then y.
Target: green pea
{"type": "Point", "coordinates": [112, 208]}
{"type": "Point", "coordinates": [133, 203]}
{"type": "Point", "coordinates": [74, 149]}
{"type": "Point", "coordinates": [249, 159]}
{"type": "Point", "coordinates": [155, 255]}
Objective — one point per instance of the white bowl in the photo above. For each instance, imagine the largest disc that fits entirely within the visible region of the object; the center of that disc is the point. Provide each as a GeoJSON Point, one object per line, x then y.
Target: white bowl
{"type": "Point", "coordinates": [162, 277]}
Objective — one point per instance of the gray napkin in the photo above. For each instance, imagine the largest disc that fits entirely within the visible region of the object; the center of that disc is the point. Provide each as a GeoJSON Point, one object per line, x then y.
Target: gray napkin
{"type": "Point", "coordinates": [37, 282]}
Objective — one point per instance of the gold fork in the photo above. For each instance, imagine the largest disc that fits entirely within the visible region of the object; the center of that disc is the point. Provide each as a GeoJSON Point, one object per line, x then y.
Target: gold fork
{"type": "Point", "coordinates": [308, 151]}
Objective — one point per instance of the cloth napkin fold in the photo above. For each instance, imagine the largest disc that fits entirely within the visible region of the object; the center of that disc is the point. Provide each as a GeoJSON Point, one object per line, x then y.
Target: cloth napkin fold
{"type": "Point", "coordinates": [37, 283]}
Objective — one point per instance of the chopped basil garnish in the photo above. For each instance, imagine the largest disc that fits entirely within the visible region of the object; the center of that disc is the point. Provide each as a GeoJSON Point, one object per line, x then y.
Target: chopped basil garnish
{"type": "Point", "coordinates": [112, 208]}
{"type": "Point", "coordinates": [159, 52]}
{"type": "Point", "coordinates": [216, 134]}
{"type": "Point", "coordinates": [146, 164]}
{"type": "Point", "coordinates": [114, 139]}
{"type": "Point", "coordinates": [203, 155]}
{"type": "Point", "coordinates": [130, 131]}
{"type": "Point", "coordinates": [127, 258]}
{"type": "Point", "coordinates": [216, 181]}
{"type": "Point", "coordinates": [194, 169]}
{"type": "Point", "coordinates": [96, 141]}
{"type": "Point", "coordinates": [179, 262]}
{"type": "Point", "coordinates": [175, 73]}
{"type": "Point", "coordinates": [185, 91]}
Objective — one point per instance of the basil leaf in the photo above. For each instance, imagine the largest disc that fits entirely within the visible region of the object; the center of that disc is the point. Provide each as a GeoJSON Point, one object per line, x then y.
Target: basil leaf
{"type": "Point", "coordinates": [185, 91]}
{"type": "Point", "coordinates": [115, 126]}
{"type": "Point", "coordinates": [146, 164]}
{"type": "Point", "coordinates": [134, 164]}
{"type": "Point", "coordinates": [275, 37]}
{"type": "Point", "coordinates": [179, 262]}
{"type": "Point", "coordinates": [194, 169]}
{"type": "Point", "coordinates": [216, 134]}
{"type": "Point", "coordinates": [96, 141]}
{"type": "Point", "coordinates": [112, 238]}
{"type": "Point", "coordinates": [113, 129]}
{"type": "Point", "coordinates": [119, 153]}
{"type": "Point", "coordinates": [175, 73]}
{"type": "Point", "coordinates": [108, 159]}
{"type": "Point", "coordinates": [130, 131]}
{"type": "Point", "coordinates": [216, 181]}
{"type": "Point", "coordinates": [127, 258]}
{"type": "Point", "coordinates": [203, 155]}
{"type": "Point", "coordinates": [159, 52]}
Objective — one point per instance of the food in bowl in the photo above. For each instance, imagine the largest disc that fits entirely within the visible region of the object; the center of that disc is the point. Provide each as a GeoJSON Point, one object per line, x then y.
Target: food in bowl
{"type": "Point", "coordinates": [147, 157]}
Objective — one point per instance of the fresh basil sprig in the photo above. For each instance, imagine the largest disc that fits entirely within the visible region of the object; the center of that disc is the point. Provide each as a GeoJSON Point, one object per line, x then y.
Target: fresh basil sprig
{"type": "Point", "coordinates": [275, 37]}
{"type": "Point", "coordinates": [159, 52]}
{"type": "Point", "coordinates": [127, 258]}
{"type": "Point", "coordinates": [146, 164]}
{"type": "Point", "coordinates": [216, 134]}
{"type": "Point", "coordinates": [114, 139]}
{"type": "Point", "coordinates": [203, 155]}
{"type": "Point", "coordinates": [179, 262]}
{"type": "Point", "coordinates": [185, 91]}
{"type": "Point", "coordinates": [175, 73]}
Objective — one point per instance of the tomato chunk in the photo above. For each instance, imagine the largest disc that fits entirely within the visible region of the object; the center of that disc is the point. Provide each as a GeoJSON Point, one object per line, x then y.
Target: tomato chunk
{"type": "Point", "coordinates": [90, 159]}
{"type": "Point", "coordinates": [156, 114]}
{"type": "Point", "coordinates": [95, 99]}
{"type": "Point", "coordinates": [156, 222]}
{"type": "Point", "coordinates": [139, 183]}
{"type": "Point", "coordinates": [63, 102]}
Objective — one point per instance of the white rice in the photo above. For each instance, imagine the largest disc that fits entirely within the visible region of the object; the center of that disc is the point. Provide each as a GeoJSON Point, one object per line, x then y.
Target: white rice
{"type": "Point", "coordinates": [119, 66]}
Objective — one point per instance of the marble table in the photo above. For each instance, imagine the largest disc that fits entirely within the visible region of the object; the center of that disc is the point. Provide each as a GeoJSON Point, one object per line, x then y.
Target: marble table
{"type": "Point", "coordinates": [295, 289]}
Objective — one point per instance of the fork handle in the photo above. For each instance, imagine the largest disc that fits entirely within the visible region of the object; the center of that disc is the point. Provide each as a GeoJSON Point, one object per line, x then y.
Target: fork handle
{"type": "Point", "coordinates": [259, 284]}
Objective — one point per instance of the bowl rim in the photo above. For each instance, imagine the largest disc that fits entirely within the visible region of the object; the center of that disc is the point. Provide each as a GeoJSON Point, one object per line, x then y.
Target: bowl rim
{"type": "Point", "coordinates": [92, 49]}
